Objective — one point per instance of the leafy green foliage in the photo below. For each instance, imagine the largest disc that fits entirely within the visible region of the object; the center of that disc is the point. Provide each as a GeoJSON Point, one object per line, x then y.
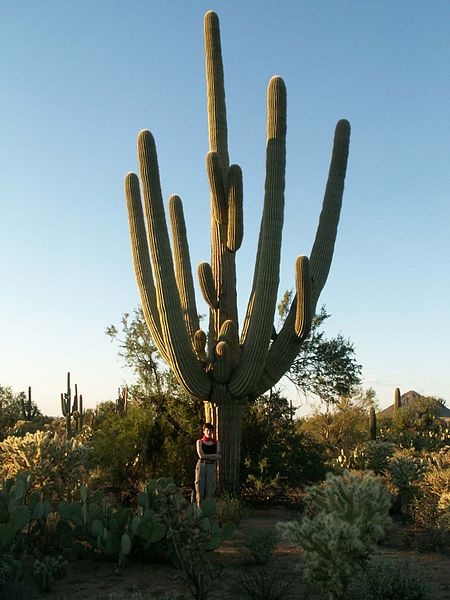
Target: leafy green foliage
{"type": "Point", "coordinates": [341, 427]}
{"type": "Point", "coordinates": [18, 414]}
{"type": "Point", "coordinates": [417, 425]}
{"type": "Point", "coordinates": [349, 515]}
{"type": "Point", "coordinates": [275, 453]}
{"type": "Point", "coordinates": [176, 417]}
{"type": "Point", "coordinates": [325, 368]}
{"type": "Point", "coordinates": [261, 543]}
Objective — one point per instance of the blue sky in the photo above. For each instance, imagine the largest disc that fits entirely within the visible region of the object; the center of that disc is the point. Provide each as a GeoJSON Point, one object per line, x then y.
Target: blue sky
{"type": "Point", "coordinates": [81, 78]}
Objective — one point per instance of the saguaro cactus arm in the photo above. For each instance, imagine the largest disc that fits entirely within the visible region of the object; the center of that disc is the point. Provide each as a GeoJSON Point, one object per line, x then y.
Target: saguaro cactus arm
{"type": "Point", "coordinates": [217, 114]}
{"type": "Point", "coordinates": [141, 261]}
{"type": "Point", "coordinates": [183, 271]}
{"type": "Point", "coordinates": [263, 306]}
{"type": "Point", "coordinates": [322, 250]}
{"type": "Point", "coordinates": [222, 256]}
{"type": "Point", "coordinates": [287, 344]}
{"type": "Point", "coordinates": [177, 344]}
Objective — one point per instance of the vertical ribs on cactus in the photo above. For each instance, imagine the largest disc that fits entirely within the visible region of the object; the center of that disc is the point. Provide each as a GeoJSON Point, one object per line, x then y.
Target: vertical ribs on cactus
{"type": "Point", "coordinates": [73, 409]}
{"type": "Point", "coordinates": [28, 410]}
{"type": "Point", "coordinates": [372, 424]}
{"type": "Point", "coordinates": [397, 400]}
{"type": "Point", "coordinates": [122, 400]}
{"type": "Point", "coordinates": [237, 364]}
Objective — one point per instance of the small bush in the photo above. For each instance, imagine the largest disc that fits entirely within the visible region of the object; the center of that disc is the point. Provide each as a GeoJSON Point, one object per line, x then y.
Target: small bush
{"type": "Point", "coordinates": [47, 571]}
{"type": "Point", "coordinates": [10, 569]}
{"type": "Point", "coordinates": [388, 580]}
{"type": "Point", "coordinates": [11, 572]}
{"type": "Point", "coordinates": [230, 509]}
{"type": "Point", "coordinates": [263, 584]}
{"type": "Point", "coordinates": [261, 543]}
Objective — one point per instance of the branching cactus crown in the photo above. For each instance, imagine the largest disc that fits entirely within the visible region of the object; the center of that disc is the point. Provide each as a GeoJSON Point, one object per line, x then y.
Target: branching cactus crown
{"type": "Point", "coordinates": [228, 365]}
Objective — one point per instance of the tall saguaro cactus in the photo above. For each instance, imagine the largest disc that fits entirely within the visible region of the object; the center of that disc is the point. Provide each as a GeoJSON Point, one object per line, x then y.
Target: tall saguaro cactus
{"type": "Point", "coordinates": [397, 400]}
{"type": "Point", "coordinates": [227, 367]}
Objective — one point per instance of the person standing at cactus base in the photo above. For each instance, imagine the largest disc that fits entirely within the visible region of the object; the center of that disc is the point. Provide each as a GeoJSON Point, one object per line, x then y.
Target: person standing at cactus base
{"type": "Point", "coordinates": [208, 452]}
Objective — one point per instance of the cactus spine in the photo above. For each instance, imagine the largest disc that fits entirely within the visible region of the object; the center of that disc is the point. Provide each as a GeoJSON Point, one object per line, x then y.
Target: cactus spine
{"type": "Point", "coordinates": [28, 410]}
{"type": "Point", "coordinates": [232, 369]}
{"type": "Point", "coordinates": [397, 400]}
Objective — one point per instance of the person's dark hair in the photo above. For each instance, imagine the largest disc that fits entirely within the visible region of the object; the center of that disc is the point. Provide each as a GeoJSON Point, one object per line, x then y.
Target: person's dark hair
{"type": "Point", "coordinates": [208, 426]}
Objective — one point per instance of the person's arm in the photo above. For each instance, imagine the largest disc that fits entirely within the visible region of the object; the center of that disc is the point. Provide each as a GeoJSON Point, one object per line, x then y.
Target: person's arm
{"type": "Point", "coordinates": [200, 452]}
{"type": "Point", "coordinates": [215, 456]}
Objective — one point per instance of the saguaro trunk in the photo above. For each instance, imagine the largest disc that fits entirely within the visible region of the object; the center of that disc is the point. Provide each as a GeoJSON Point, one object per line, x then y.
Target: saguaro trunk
{"type": "Point", "coordinates": [227, 420]}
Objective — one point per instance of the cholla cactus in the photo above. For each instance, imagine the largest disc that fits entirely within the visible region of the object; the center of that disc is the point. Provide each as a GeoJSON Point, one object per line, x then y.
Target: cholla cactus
{"type": "Point", "coordinates": [236, 365]}
{"type": "Point", "coordinates": [56, 467]}
{"type": "Point", "coordinates": [351, 516]}
{"type": "Point", "coordinates": [405, 472]}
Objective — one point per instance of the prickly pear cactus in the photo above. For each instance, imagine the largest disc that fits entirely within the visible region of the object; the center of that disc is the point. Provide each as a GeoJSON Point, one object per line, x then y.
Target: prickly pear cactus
{"type": "Point", "coordinates": [19, 507]}
{"type": "Point", "coordinates": [95, 528]}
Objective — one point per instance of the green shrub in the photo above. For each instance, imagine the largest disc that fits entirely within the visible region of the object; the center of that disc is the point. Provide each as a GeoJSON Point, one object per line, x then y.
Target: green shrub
{"type": "Point", "coordinates": [351, 516]}
{"type": "Point", "coordinates": [130, 448]}
{"type": "Point", "coordinates": [386, 579]}
{"type": "Point", "coordinates": [11, 570]}
{"type": "Point", "coordinates": [276, 453]}
{"type": "Point", "coordinates": [261, 542]}
{"type": "Point", "coordinates": [47, 571]}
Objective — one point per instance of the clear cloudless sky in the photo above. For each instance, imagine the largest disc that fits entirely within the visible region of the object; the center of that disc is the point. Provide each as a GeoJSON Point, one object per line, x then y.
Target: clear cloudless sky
{"type": "Point", "coordinates": [80, 78]}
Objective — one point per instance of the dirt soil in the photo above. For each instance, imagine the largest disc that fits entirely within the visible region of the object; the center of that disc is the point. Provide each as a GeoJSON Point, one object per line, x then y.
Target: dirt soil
{"type": "Point", "coordinates": [88, 580]}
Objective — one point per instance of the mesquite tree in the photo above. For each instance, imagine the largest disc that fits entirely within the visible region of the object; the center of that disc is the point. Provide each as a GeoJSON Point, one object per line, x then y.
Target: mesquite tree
{"type": "Point", "coordinates": [227, 367]}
